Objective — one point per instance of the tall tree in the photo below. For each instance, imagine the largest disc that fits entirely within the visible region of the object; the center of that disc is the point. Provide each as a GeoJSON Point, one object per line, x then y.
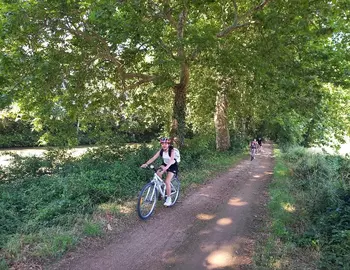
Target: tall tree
{"type": "Point", "coordinates": [132, 60]}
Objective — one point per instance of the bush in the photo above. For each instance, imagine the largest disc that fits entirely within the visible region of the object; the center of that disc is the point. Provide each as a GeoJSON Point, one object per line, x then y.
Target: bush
{"type": "Point", "coordinates": [320, 184]}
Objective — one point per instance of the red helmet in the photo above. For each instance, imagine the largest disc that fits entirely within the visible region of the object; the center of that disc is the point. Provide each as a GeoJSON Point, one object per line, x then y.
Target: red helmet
{"type": "Point", "coordinates": [164, 140]}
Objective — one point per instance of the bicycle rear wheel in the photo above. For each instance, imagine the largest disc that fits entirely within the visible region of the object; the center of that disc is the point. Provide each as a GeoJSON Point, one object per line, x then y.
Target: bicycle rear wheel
{"type": "Point", "coordinates": [252, 154]}
{"type": "Point", "coordinates": [175, 190]}
{"type": "Point", "coordinates": [147, 201]}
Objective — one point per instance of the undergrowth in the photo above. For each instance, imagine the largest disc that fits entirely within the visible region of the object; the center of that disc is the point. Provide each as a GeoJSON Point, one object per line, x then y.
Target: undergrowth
{"type": "Point", "coordinates": [49, 204]}
{"type": "Point", "coordinates": [310, 213]}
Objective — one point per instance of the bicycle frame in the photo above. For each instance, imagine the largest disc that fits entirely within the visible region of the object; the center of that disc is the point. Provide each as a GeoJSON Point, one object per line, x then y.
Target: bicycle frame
{"type": "Point", "coordinates": [158, 184]}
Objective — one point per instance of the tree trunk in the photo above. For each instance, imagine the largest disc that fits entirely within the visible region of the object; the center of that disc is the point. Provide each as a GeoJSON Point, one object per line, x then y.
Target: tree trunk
{"type": "Point", "coordinates": [178, 125]}
{"type": "Point", "coordinates": [221, 122]}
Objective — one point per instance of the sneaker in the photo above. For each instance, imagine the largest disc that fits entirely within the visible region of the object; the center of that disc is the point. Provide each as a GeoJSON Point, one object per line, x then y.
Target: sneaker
{"type": "Point", "coordinates": [168, 201]}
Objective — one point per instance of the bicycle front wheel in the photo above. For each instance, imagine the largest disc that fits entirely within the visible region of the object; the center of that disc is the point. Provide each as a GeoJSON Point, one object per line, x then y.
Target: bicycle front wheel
{"type": "Point", "coordinates": [147, 201]}
{"type": "Point", "coordinates": [252, 154]}
{"type": "Point", "coordinates": [175, 190]}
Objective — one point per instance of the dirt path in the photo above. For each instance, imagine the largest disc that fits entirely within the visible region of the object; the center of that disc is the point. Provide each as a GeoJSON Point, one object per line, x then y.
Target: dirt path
{"type": "Point", "coordinates": [213, 227]}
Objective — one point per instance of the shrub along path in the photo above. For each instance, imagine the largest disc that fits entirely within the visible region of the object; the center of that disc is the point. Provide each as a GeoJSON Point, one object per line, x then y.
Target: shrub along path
{"type": "Point", "coordinates": [215, 226]}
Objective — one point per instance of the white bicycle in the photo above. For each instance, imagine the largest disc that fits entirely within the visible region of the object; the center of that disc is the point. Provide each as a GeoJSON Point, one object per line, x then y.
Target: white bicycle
{"type": "Point", "coordinates": [153, 190]}
{"type": "Point", "coordinates": [252, 153]}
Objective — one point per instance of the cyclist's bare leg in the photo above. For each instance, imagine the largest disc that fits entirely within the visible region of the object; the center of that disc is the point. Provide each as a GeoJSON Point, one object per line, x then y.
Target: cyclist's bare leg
{"type": "Point", "coordinates": [160, 171]}
{"type": "Point", "coordinates": [168, 178]}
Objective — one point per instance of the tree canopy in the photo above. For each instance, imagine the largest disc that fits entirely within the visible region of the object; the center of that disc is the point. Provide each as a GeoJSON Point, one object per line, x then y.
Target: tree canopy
{"type": "Point", "coordinates": [275, 68]}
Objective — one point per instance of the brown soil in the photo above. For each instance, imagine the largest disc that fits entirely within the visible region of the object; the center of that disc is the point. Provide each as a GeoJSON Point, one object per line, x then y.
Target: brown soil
{"type": "Point", "coordinates": [214, 226]}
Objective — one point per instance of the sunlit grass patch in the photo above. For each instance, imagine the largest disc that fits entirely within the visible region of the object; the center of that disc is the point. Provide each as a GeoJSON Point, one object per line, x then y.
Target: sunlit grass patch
{"type": "Point", "coordinates": [49, 242]}
{"type": "Point", "coordinates": [281, 170]}
{"type": "Point", "coordinates": [115, 208]}
{"type": "Point", "coordinates": [288, 207]}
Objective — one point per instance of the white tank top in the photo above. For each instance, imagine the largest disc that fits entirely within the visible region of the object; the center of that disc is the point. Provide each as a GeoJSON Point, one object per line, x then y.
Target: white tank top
{"type": "Point", "coordinates": [166, 157]}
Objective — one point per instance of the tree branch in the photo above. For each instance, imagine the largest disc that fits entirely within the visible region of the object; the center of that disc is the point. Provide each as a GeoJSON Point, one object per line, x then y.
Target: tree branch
{"type": "Point", "coordinates": [140, 82]}
{"type": "Point", "coordinates": [236, 24]}
{"type": "Point", "coordinates": [168, 13]}
{"type": "Point", "coordinates": [144, 77]}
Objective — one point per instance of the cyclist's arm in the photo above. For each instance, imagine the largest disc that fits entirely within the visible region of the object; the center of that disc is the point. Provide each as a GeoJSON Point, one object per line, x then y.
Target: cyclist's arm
{"type": "Point", "coordinates": [151, 160]}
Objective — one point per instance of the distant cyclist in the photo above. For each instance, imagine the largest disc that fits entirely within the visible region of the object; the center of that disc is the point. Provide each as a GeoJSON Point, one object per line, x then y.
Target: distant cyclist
{"type": "Point", "coordinates": [253, 147]}
{"type": "Point", "coordinates": [260, 142]}
{"type": "Point", "coordinates": [169, 165]}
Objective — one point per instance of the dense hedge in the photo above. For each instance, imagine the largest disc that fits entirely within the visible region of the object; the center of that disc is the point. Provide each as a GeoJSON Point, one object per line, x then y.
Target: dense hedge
{"type": "Point", "coordinates": [17, 133]}
{"type": "Point", "coordinates": [321, 184]}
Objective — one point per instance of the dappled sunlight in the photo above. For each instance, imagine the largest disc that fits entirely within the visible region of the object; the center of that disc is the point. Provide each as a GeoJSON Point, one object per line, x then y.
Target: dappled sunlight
{"type": "Point", "coordinates": [220, 258]}
{"type": "Point", "coordinates": [205, 232]}
{"type": "Point", "coordinates": [288, 207]}
{"type": "Point", "coordinates": [343, 150]}
{"type": "Point", "coordinates": [268, 172]}
{"type": "Point", "coordinates": [6, 154]}
{"type": "Point", "coordinates": [282, 172]}
{"type": "Point", "coordinates": [205, 195]}
{"type": "Point", "coordinates": [115, 208]}
{"type": "Point", "coordinates": [112, 207]}
{"type": "Point", "coordinates": [5, 160]}
{"type": "Point", "coordinates": [278, 264]}
{"type": "Point", "coordinates": [236, 202]}
{"type": "Point", "coordinates": [256, 176]}
{"type": "Point", "coordinates": [169, 257]}
{"type": "Point", "coordinates": [224, 221]}
{"type": "Point", "coordinates": [205, 216]}
{"type": "Point", "coordinates": [124, 209]}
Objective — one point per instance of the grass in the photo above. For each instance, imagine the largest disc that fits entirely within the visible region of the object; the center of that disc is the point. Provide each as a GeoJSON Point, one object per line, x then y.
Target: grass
{"type": "Point", "coordinates": [92, 228]}
{"type": "Point", "coordinates": [309, 208]}
{"type": "Point", "coordinates": [210, 167]}
{"type": "Point", "coordinates": [46, 243]}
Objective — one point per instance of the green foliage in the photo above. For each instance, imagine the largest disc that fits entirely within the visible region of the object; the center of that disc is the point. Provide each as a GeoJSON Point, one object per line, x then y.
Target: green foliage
{"type": "Point", "coordinates": [238, 142]}
{"type": "Point", "coordinates": [48, 204]}
{"type": "Point", "coordinates": [84, 71]}
{"type": "Point", "coordinates": [15, 132]}
{"type": "Point", "coordinates": [287, 129]}
{"type": "Point", "coordinates": [92, 229]}
{"type": "Point", "coordinates": [197, 148]}
{"type": "Point", "coordinates": [53, 241]}
{"type": "Point", "coordinates": [314, 192]}
{"type": "Point", "coordinates": [3, 264]}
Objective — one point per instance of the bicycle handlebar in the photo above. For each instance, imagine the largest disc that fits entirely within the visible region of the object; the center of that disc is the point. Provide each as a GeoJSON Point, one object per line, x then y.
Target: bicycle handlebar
{"type": "Point", "coordinates": [151, 167]}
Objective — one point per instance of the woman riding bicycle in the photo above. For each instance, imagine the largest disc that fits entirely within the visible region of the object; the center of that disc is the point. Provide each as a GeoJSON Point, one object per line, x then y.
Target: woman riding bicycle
{"type": "Point", "coordinates": [169, 165]}
{"type": "Point", "coordinates": [253, 147]}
